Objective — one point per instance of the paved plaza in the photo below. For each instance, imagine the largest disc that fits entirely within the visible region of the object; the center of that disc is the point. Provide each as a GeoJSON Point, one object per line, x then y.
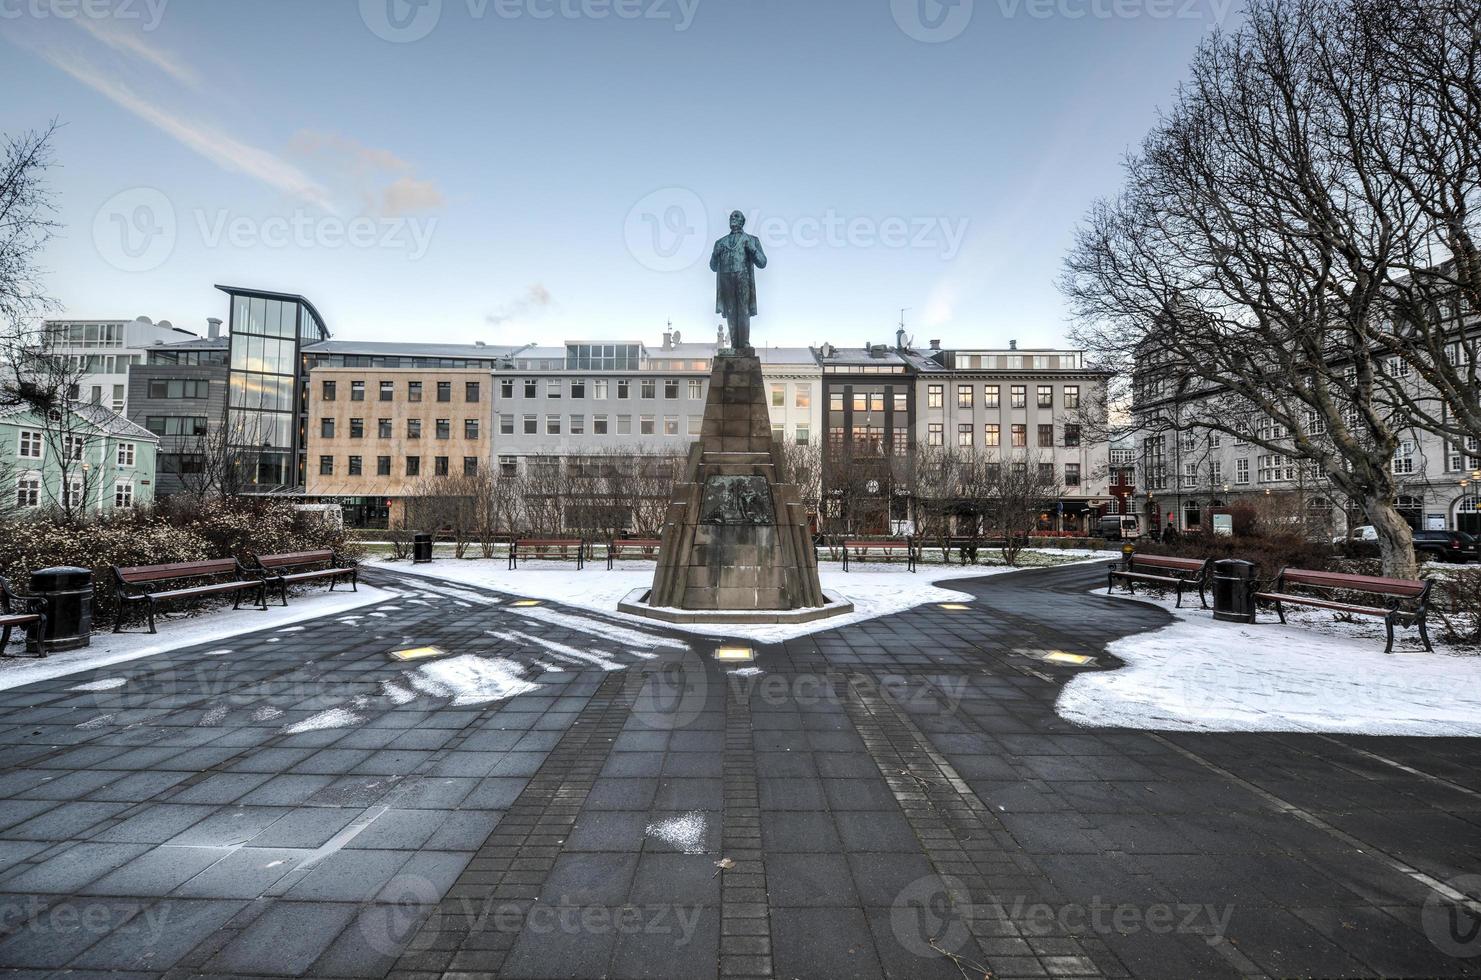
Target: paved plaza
{"type": "Point", "coordinates": [892, 798]}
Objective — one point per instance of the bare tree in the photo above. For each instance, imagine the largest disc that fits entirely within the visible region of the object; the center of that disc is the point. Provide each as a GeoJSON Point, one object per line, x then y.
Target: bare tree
{"type": "Point", "coordinates": [26, 225]}
{"type": "Point", "coordinates": [217, 458]}
{"type": "Point", "coordinates": [1248, 269]}
{"type": "Point", "coordinates": [1011, 493]}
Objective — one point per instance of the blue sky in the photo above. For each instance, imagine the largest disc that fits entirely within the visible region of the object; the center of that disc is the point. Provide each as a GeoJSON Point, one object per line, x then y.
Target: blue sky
{"type": "Point", "coordinates": [536, 170]}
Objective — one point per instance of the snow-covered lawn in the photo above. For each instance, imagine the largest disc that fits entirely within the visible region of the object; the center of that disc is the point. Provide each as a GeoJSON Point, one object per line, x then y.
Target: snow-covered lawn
{"type": "Point", "coordinates": [875, 589]}
{"type": "Point", "coordinates": [1314, 675]}
{"type": "Point", "coordinates": [213, 626]}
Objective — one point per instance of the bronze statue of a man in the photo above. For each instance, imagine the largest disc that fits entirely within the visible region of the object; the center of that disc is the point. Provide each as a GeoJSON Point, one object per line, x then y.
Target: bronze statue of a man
{"type": "Point", "coordinates": [734, 261]}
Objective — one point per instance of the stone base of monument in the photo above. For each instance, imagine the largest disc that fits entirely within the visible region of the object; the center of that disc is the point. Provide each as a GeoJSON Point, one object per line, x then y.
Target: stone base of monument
{"type": "Point", "coordinates": [636, 603]}
{"type": "Point", "coordinates": [735, 538]}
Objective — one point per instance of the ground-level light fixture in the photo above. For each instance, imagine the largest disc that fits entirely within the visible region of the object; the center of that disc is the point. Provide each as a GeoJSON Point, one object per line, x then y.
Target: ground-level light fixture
{"type": "Point", "coordinates": [418, 653]}
{"type": "Point", "coordinates": [1063, 657]}
{"type": "Point", "coordinates": [955, 606]}
{"type": "Point", "coordinates": [735, 653]}
{"type": "Point", "coordinates": [526, 602]}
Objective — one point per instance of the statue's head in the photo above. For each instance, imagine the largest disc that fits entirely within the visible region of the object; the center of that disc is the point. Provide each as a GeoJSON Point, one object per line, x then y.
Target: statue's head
{"type": "Point", "coordinates": [737, 221]}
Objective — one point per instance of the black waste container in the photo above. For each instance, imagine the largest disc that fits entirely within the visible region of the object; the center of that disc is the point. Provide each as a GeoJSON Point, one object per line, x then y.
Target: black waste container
{"type": "Point", "coordinates": [421, 548]}
{"type": "Point", "coordinates": [68, 596]}
{"type": "Point", "coordinates": [1234, 591]}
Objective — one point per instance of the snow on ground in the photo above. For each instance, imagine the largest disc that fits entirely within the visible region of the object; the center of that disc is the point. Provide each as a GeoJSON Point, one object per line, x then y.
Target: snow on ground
{"type": "Point", "coordinates": [685, 833]}
{"type": "Point", "coordinates": [212, 626]}
{"type": "Point", "coordinates": [1314, 675]}
{"type": "Point", "coordinates": [875, 588]}
{"type": "Point", "coordinates": [330, 718]}
{"type": "Point", "coordinates": [469, 679]}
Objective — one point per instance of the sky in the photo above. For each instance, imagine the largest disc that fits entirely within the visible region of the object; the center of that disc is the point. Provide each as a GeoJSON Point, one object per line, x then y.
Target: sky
{"type": "Point", "coordinates": [533, 171]}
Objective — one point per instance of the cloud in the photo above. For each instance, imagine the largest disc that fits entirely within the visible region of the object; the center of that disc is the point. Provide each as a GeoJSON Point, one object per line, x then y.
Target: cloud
{"type": "Point", "coordinates": [128, 41]}
{"type": "Point", "coordinates": [535, 300]}
{"type": "Point", "coordinates": [385, 183]}
{"type": "Point", "coordinates": [222, 149]}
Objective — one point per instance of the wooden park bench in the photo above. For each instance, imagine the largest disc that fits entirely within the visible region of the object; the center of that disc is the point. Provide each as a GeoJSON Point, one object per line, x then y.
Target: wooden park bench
{"type": "Point", "coordinates": [880, 549]}
{"type": "Point", "coordinates": [555, 548]}
{"type": "Point", "coordinates": [27, 612]}
{"type": "Point", "coordinates": [1404, 600]}
{"type": "Point", "coordinates": [1164, 570]}
{"type": "Point", "coordinates": [301, 566]}
{"type": "Point", "coordinates": [135, 582]}
{"type": "Point", "coordinates": [643, 548]}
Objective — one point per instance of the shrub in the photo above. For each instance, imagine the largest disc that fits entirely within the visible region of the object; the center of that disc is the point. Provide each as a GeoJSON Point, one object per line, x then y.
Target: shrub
{"type": "Point", "coordinates": [1270, 551]}
{"type": "Point", "coordinates": [1457, 607]}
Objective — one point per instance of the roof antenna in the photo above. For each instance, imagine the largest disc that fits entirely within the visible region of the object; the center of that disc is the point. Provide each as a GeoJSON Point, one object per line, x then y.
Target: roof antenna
{"type": "Point", "coordinates": [900, 341]}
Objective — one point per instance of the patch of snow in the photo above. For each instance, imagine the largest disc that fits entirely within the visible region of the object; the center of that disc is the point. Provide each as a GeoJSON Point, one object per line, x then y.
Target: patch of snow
{"type": "Point", "coordinates": [214, 715]}
{"type": "Point", "coordinates": [685, 833]}
{"type": "Point", "coordinates": [267, 713]}
{"type": "Point", "coordinates": [217, 653]}
{"type": "Point", "coordinates": [470, 679]}
{"type": "Point", "coordinates": [1313, 675]}
{"type": "Point", "coordinates": [97, 722]}
{"type": "Point", "coordinates": [397, 694]}
{"type": "Point", "coordinates": [332, 718]}
{"type": "Point", "coordinates": [875, 588]}
{"type": "Point", "coordinates": [106, 684]}
{"type": "Point", "coordinates": [107, 649]}
{"type": "Point", "coordinates": [584, 624]}
{"type": "Point", "coordinates": [594, 658]}
{"type": "Point", "coordinates": [747, 672]}
{"type": "Point", "coordinates": [292, 629]}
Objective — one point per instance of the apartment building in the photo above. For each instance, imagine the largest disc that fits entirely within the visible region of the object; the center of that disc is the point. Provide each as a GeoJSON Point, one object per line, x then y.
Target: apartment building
{"type": "Point", "coordinates": [376, 433]}
{"type": "Point", "coordinates": [103, 350]}
{"type": "Point", "coordinates": [91, 460]}
{"type": "Point", "coordinates": [178, 394]}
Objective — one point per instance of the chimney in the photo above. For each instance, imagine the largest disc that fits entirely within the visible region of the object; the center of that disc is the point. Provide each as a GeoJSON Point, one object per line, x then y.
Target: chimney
{"type": "Point", "coordinates": [213, 328]}
{"type": "Point", "coordinates": [935, 345]}
{"type": "Point", "coordinates": [1013, 345]}
{"type": "Point", "coordinates": [668, 340]}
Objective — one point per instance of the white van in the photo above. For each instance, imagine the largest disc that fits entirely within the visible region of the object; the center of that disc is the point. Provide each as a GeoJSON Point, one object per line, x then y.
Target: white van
{"type": "Point", "coordinates": [1119, 527]}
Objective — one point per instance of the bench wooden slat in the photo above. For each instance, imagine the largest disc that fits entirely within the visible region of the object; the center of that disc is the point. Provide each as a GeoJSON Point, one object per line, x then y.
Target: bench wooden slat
{"type": "Point", "coordinates": [1354, 583]}
{"type": "Point", "coordinates": [295, 558]}
{"type": "Point", "coordinates": [187, 569]}
{"type": "Point", "coordinates": [1413, 593]}
{"type": "Point", "coordinates": [204, 590]}
{"type": "Point", "coordinates": [18, 619]}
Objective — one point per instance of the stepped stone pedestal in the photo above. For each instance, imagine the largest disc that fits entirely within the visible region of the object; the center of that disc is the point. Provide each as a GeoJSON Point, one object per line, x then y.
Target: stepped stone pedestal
{"type": "Point", "coordinates": [736, 546]}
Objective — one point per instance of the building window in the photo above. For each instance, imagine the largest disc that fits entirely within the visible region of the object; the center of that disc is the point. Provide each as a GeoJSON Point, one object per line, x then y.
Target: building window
{"type": "Point", "coordinates": [383, 466]}
{"type": "Point", "coordinates": [383, 428]}
{"type": "Point", "coordinates": [671, 425]}
{"type": "Point", "coordinates": [506, 387]}
{"type": "Point", "coordinates": [470, 428]}
{"type": "Point", "coordinates": [599, 425]}
{"type": "Point", "coordinates": [413, 428]}
{"type": "Point", "coordinates": [1241, 471]}
{"type": "Point", "coordinates": [935, 434]}
{"type": "Point", "coordinates": [439, 466]}
{"type": "Point", "coordinates": [964, 433]}
{"type": "Point", "coordinates": [413, 466]}
{"type": "Point", "coordinates": [624, 425]}
{"type": "Point", "coordinates": [126, 453]}
{"type": "Point", "coordinates": [357, 428]}
{"type": "Point", "coordinates": [123, 494]}
{"type": "Point", "coordinates": [1072, 474]}
{"type": "Point", "coordinates": [1404, 457]}
{"type": "Point", "coordinates": [28, 491]}
{"type": "Point", "coordinates": [31, 443]}
{"type": "Point", "coordinates": [778, 396]}
{"type": "Point", "coordinates": [1046, 396]}
{"type": "Point", "coordinates": [1046, 473]}
{"type": "Point", "coordinates": [470, 465]}
{"type": "Point", "coordinates": [532, 388]}
{"type": "Point", "coordinates": [696, 389]}
{"type": "Point", "coordinates": [1071, 396]}
{"type": "Point", "coordinates": [506, 425]}
{"type": "Point", "coordinates": [578, 425]}
{"type": "Point", "coordinates": [326, 465]}
{"type": "Point", "coordinates": [648, 388]}
{"type": "Point", "coordinates": [552, 425]}
{"type": "Point", "coordinates": [1019, 435]}
{"type": "Point", "coordinates": [444, 428]}
{"type": "Point", "coordinates": [578, 387]}
{"type": "Point", "coordinates": [801, 435]}
{"type": "Point", "coordinates": [990, 397]}
{"type": "Point", "coordinates": [388, 390]}
{"type": "Point", "coordinates": [835, 401]}
{"type": "Point", "coordinates": [992, 435]}
{"type": "Point", "coordinates": [553, 387]}
{"type": "Point", "coordinates": [1216, 472]}
{"type": "Point", "coordinates": [934, 395]}
{"type": "Point", "coordinates": [645, 425]}
{"type": "Point", "coordinates": [357, 391]}
{"type": "Point", "coordinates": [72, 447]}
{"type": "Point", "coordinates": [624, 388]}
{"type": "Point", "coordinates": [326, 428]}
{"type": "Point", "coordinates": [444, 391]}
{"type": "Point", "coordinates": [328, 388]}
{"type": "Point", "coordinates": [670, 388]}
{"type": "Point", "coordinates": [508, 466]}
{"type": "Point", "coordinates": [413, 391]}
{"type": "Point", "coordinates": [1019, 395]}
{"type": "Point", "coordinates": [532, 425]}
{"type": "Point", "coordinates": [1071, 435]}
{"type": "Point", "coordinates": [599, 389]}
{"type": "Point", "coordinates": [1046, 436]}
{"type": "Point", "coordinates": [182, 388]}
{"type": "Point", "coordinates": [356, 465]}
{"type": "Point", "coordinates": [901, 400]}
{"type": "Point", "coordinates": [964, 397]}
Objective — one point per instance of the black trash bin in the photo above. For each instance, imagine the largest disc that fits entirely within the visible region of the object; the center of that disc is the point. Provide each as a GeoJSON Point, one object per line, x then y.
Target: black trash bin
{"type": "Point", "coordinates": [1234, 591]}
{"type": "Point", "coordinates": [68, 596]}
{"type": "Point", "coordinates": [421, 548]}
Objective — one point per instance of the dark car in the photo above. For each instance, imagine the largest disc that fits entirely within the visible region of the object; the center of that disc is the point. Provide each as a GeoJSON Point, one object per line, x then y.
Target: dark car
{"type": "Point", "coordinates": [1456, 546]}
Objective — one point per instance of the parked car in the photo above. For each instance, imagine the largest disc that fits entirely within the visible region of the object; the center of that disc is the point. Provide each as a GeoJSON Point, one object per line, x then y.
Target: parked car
{"type": "Point", "coordinates": [1118, 527]}
{"type": "Point", "coordinates": [1363, 532]}
{"type": "Point", "coordinates": [1454, 546]}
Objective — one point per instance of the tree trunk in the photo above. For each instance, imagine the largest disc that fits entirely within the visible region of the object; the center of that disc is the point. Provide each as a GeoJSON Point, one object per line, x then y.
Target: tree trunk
{"type": "Point", "coordinates": [1395, 540]}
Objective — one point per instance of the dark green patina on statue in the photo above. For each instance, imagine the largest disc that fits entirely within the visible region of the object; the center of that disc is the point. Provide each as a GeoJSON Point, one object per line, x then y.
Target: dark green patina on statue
{"type": "Point", "coordinates": [734, 261]}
